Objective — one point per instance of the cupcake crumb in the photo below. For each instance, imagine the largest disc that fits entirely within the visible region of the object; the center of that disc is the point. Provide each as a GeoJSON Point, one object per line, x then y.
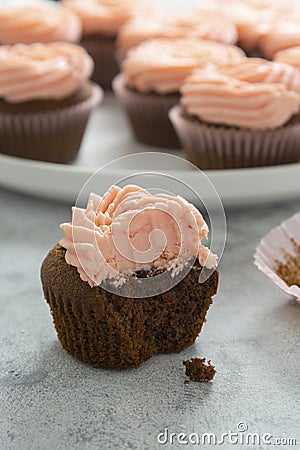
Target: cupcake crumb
{"type": "Point", "coordinates": [198, 370]}
{"type": "Point", "coordinates": [186, 382]}
{"type": "Point", "coordinates": [289, 270]}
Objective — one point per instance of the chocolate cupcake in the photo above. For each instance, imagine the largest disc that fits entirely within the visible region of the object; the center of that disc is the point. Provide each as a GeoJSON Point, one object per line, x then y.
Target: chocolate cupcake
{"type": "Point", "coordinates": [38, 22]}
{"type": "Point", "coordinates": [101, 21]}
{"type": "Point", "coordinates": [45, 100]}
{"type": "Point", "coordinates": [116, 299]}
{"type": "Point", "coordinates": [150, 79]}
{"type": "Point", "coordinates": [225, 122]}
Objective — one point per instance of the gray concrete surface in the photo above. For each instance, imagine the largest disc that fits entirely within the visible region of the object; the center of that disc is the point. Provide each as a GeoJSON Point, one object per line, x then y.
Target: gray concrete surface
{"type": "Point", "coordinates": [49, 400]}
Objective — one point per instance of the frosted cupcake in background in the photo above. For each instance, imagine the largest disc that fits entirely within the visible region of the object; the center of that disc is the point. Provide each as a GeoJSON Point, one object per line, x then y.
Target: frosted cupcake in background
{"type": "Point", "coordinates": [150, 78]}
{"type": "Point", "coordinates": [96, 280]}
{"type": "Point", "coordinates": [101, 21]}
{"type": "Point", "coordinates": [45, 100]}
{"type": "Point", "coordinates": [247, 121]}
{"type": "Point", "coordinates": [211, 26]}
{"type": "Point", "coordinates": [252, 18]}
{"type": "Point", "coordinates": [38, 22]}
{"type": "Point", "coordinates": [283, 34]}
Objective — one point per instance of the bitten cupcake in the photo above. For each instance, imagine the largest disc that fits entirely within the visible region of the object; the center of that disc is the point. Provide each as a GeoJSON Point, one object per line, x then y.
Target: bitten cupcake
{"type": "Point", "coordinates": [38, 22]}
{"type": "Point", "coordinates": [45, 100]}
{"type": "Point", "coordinates": [150, 79]}
{"type": "Point", "coordinates": [123, 284]}
{"type": "Point", "coordinates": [101, 20]}
{"type": "Point", "coordinates": [225, 122]}
{"type": "Point", "coordinates": [204, 25]}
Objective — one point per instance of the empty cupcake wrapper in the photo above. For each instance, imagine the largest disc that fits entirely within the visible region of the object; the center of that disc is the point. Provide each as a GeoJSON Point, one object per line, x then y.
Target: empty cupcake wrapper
{"type": "Point", "coordinates": [210, 146]}
{"type": "Point", "coordinates": [274, 247]}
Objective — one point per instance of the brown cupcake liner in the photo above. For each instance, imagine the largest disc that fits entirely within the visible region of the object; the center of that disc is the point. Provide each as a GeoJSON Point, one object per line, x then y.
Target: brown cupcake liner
{"type": "Point", "coordinates": [103, 52]}
{"type": "Point", "coordinates": [107, 330]}
{"type": "Point", "coordinates": [53, 135]}
{"type": "Point", "coordinates": [148, 115]}
{"type": "Point", "coordinates": [211, 146]}
{"type": "Point", "coordinates": [120, 55]}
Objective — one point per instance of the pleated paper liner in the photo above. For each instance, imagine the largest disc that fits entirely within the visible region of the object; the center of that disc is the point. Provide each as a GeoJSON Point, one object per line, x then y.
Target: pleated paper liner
{"type": "Point", "coordinates": [50, 135]}
{"type": "Point", "coordinates": [278, 256]}
{"type": "Point", "coordinates": [211, 146]}
{"type": "Point", "coordinates": [103, 51]}
{"type": "Point", "coordinates": [148, 115]}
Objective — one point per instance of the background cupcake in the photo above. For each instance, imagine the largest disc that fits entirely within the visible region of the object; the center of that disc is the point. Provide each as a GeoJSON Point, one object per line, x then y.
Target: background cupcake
{"type": "Point", "coordinates": [224, 122]}
{"type": "Point", "coordinates": [204, 25]}
{"type": "Point", "coordinates": [252, 18]}
{"type": "Point", "coordinates": [45, 100]}
{"type": "Point", "coordinates": [108, 243]}
{"type": "Point", "coordinates": [101, 20]}
{"type": "Point", "coordinates": [151, 77]}
{"type": "Point", "coordinates": [38, 22]}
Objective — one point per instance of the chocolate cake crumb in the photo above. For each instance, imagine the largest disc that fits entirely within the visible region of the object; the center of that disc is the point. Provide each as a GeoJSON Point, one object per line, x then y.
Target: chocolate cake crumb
{"type": "Point", "coordinates": [289, 270]}
{"type": "Point", "coordinates": [186, 382]}
{"type": "Point", "coordinates": [197, 370]}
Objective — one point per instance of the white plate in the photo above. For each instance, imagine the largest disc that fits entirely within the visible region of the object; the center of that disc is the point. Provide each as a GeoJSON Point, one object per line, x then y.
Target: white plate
{"type": "Point", "coordinates": [108, 137]}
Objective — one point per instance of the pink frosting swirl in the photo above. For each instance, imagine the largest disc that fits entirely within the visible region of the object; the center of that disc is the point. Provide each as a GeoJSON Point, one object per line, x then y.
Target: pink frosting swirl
{"type": "Point", "coordinates": [160, 65]}
{"type": "Point", "coordinates": [258, 70]}
{"type": "Point", "coordinates": [282, 35]}
{"type": "Point", "coordinates": [216, 98]}
{"type": "Point", "coordinates": [252, 18]}
{"type": "Point", "coordinates": [106, 16]}
{"type": "Point", "coordinates": [290, 56]}
{"type": "Point", "coordinates": [38, 22]}
{"type": "Point", "coordinates": [130, 229]}
{"type": "Point", "coordinates": [42, 71]}
{"type": "Point", "coordinates": [206, 25]}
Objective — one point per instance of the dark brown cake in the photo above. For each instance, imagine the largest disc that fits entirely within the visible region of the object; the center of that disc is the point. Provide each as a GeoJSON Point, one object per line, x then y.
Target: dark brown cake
{"type": "Point", "coordinates": [197, 370]}
{"type": "Point", "coordinates": [47, 104]}
{"type": "Point", "coordinates": [105, 329]}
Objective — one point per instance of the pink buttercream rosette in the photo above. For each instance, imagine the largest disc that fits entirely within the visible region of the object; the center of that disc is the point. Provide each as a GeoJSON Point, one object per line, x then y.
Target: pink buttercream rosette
{"type": "Point", "coordinates": [273, 247]}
